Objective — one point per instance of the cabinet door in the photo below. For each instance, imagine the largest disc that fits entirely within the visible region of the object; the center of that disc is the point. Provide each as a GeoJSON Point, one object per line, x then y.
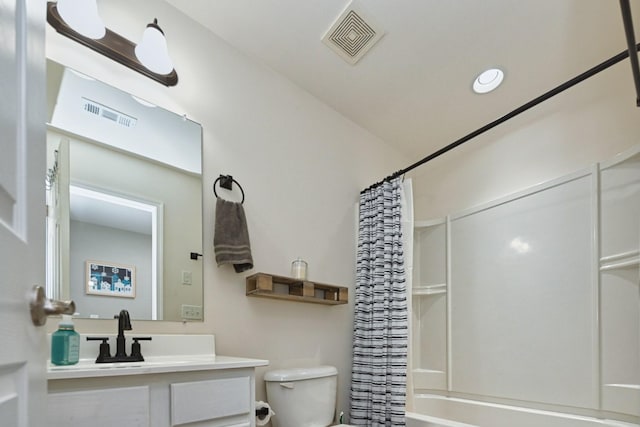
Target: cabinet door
{"type": "Point", "coordinates": [128, 406]}
{"type": "Point", "coordinates": [227, 400]}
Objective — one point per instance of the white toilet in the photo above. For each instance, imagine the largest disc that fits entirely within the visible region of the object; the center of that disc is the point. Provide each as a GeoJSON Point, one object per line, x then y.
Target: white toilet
{"type": "Point", "coordinates": [302, 397]}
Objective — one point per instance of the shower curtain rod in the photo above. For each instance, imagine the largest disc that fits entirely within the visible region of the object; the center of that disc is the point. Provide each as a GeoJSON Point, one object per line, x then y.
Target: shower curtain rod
{"type": "Point", "coordinates": [558, 89]}
{"type": "Point", "coordinates": [631, 41]}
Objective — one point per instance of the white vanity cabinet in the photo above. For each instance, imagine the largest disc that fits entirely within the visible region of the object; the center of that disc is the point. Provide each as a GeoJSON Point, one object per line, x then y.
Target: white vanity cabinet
{"type": "Point", "coordinates": [202, 390]}
{"type": "Point", "coordinates": [220, 398]}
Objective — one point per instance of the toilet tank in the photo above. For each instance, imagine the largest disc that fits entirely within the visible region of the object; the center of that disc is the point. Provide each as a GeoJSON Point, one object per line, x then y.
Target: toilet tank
{"type": "Point", "coordinates": [302, 397]}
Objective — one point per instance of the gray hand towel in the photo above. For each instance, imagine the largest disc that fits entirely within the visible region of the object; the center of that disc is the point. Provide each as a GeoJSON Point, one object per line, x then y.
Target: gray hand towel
{"type": "Point", "coordinates": [231, 236]}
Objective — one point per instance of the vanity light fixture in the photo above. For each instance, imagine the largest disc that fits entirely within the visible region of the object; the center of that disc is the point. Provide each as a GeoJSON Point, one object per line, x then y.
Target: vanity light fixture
{"type": "Point", "coordinates": [79, 20]}
{"type": "Point", "coordinates": [488, 80]}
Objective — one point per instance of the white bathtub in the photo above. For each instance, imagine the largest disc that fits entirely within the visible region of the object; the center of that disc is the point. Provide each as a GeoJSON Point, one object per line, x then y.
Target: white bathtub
{"type": "Point", "coordinates": [441, 411]}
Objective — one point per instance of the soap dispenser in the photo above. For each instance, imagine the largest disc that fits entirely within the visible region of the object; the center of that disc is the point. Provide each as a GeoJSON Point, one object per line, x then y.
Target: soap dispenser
{"type": "Point", "coordinates": [65, 343]}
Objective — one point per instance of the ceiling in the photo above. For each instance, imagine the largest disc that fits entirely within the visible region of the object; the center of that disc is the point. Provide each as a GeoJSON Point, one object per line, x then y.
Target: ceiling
{"type": "Point", "coordinates": [413, 88]}
{"type": "Point", "coordinates": [108, 210]}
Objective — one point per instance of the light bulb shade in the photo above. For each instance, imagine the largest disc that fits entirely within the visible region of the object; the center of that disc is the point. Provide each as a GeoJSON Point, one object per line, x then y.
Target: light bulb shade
{"type": "Point", "coordinates": [152, 51]}
{"type": "Point", "coordinates": [82, 16]}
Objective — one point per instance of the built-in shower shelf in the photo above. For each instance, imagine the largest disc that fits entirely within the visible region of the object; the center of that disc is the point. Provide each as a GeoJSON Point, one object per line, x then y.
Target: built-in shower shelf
{"type": "Point", "coordinates": [440, 288]}
{"type": "Point", "coordinates": [287, 288]}
{"type": "Point", "coordinates": [622, 398]}
{"type": "Point", "coordinates": [429, 379]}
{"type": "Point", "coordinates": [619, 261]}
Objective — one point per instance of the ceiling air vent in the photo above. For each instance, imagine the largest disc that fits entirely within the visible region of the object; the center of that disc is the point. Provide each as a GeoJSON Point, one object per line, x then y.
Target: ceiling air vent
{"type": "Point", "coordinates": [99, 110]}
{"type": "Point", "coordinates": [353, 34]}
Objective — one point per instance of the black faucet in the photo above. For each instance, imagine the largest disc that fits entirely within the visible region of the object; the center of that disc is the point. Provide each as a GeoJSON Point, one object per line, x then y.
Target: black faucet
{"type": "Point", "coordinates": [124, 324]}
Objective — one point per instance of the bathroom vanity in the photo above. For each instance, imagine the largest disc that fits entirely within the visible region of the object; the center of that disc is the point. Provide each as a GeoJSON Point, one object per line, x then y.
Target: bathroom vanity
{"type": "Point", "coordinates": [198, 387]}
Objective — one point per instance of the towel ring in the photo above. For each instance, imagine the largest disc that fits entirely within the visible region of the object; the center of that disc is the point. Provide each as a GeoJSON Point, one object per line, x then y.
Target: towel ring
{"type": "Point", "coordinates": [226, 181]}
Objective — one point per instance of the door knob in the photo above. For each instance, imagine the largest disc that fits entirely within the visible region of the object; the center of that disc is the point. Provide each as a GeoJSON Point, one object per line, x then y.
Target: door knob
{"type": "Point", "coordinates": [41, 306]}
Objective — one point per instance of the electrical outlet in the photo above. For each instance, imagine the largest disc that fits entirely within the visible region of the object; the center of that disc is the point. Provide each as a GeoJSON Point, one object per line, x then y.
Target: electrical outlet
{"type": "Point", "coordinates": [191, 312]}
{"type": "Point", "coordinates": [186, 277]}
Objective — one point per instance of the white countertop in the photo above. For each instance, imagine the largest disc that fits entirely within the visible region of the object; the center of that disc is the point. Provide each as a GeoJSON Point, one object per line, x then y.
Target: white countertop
{"type": "Point", "coordinates": [87, 368]}
{"type": "Point", "coordinates": [164, 354]}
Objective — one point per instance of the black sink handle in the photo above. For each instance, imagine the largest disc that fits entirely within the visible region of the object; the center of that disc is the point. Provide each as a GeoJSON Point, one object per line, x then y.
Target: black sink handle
{"type": "Point", "coordinates": [136, 353]}
{"type": "Point", "coordinates": [105, 351]}
{"type": "Point", "coordinates": [103, 339]}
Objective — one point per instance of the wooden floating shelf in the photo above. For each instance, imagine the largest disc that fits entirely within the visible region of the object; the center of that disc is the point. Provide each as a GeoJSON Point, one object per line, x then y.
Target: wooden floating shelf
{"type": "Point", "coordinates": [262, 285]}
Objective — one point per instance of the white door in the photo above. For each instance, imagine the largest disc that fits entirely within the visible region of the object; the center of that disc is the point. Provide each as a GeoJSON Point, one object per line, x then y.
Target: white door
{"type": "Point", "coordinates": [23, 351]}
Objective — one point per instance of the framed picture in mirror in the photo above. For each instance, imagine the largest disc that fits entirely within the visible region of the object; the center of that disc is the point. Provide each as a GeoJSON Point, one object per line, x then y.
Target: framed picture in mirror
{"type": "Point", "coordinates": [110, 279]}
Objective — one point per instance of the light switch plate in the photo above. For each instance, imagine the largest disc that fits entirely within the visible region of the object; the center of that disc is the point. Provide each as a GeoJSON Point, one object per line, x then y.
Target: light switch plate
{"type": "Point", "coordinates": [191, 312]}
{"type": "Point", "coordinates": [186, 277]}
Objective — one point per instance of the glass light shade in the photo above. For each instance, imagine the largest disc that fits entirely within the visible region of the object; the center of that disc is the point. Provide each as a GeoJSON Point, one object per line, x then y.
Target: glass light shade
{"type": "Point", "coordinates": [82, 16]}
{"type": "Point", "coordinates": [152, 51]}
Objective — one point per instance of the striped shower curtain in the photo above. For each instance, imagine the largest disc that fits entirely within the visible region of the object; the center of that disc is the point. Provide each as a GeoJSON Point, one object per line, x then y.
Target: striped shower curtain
{"type": "Point", "coordinates": [380, 336]}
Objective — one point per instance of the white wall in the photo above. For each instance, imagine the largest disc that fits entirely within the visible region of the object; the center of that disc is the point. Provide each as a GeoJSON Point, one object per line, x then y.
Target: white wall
{"type": "Point", "coordinates": [529, 318]}
{"type": "Point", "coordinates": [301, 165]}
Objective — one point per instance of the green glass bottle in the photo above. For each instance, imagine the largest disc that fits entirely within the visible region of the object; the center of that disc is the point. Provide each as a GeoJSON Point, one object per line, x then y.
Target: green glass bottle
{"type": "Point", "coordinates": [65, 343]}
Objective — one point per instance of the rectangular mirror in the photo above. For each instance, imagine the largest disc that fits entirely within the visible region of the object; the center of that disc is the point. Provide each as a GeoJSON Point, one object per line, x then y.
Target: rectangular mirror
{"type": "Point", "coordinates": [124, 202]}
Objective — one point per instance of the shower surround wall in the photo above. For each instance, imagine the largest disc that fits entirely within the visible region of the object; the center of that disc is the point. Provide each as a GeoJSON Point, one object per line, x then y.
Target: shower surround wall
{"type": "Point", "coordinates": [533, 300]}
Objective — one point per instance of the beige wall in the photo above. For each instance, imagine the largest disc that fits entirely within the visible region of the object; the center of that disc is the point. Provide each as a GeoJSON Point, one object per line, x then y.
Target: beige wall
{"type": "Point", "coordinates": [588, 123]}
{"type": "Point", "coordinates": [301, 165]}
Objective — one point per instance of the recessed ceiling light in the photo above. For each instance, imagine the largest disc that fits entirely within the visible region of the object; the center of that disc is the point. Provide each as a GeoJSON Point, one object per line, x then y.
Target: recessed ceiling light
{"type": "Point", "coordinates": [488, 80]}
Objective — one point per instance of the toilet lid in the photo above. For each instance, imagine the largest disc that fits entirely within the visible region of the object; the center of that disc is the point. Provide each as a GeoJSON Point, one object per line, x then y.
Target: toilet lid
{"type": "Point", "coordinates": [297, 374]}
